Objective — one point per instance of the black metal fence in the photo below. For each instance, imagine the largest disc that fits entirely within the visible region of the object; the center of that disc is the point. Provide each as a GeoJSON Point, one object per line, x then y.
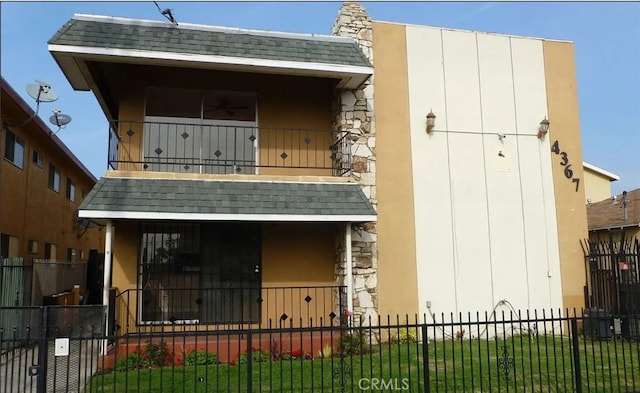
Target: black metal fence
{"type": "Point", "coordinates": [497, 352]}
{"type": "Point", "coordinates": [53, 348]}
{"type": "Point", "coordinates": [221, 149]}
{"type": "Point", "coordinates": [613, 280]}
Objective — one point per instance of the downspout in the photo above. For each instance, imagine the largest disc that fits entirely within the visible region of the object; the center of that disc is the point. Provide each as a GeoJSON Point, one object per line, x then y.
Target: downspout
{"type": "Point", "coordinates": [107, 277]}
{"type": "Point", "coordinates": [349, 268]}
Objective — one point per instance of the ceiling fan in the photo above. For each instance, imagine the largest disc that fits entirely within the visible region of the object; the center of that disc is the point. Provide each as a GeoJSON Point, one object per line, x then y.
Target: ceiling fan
{"type": "Point", "coordinates": [225, 105]}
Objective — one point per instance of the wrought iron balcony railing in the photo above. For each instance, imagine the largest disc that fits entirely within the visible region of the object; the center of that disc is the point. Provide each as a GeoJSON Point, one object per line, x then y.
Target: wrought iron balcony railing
{"type": "Point", "coordinates": [261, 306]}
{"type": "Point", "coordinates": [221, 149]}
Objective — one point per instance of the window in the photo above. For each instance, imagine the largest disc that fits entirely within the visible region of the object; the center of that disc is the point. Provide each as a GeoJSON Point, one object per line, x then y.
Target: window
{"type": "Point", "coordinates": [71, 255]}
{"type": "Point", "coordinates": [200, 272]}
{"type": "Point", "coordinates": [14, 149]}
{"type": "Point", "coordinates": [211, 132]}
{"type": "Point", "coordinates": [37, 158]}
{"type": "Point", "coordinates": [32, 246]}
{"type": "Point", "coordinates": [9, 246]}
{"type": "Point", "coordinates": [82, 255]}
{"type": "Point", "coordinates": [54, 178]}
{"type": "Point", "coordinates": [50, 251]}
{"type": "Point", "coordinates": [71, 190]}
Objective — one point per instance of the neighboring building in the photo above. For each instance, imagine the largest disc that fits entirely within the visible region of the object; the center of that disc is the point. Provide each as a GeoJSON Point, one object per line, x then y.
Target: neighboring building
{"type": "Point", "coordinates": [245, 161]}
{"type": "Point", "coordinates": [597, 183]}
{"type": "Point", "coordinates": [614, 218]}
{"type": "Point", "coordinates": [42, 184]}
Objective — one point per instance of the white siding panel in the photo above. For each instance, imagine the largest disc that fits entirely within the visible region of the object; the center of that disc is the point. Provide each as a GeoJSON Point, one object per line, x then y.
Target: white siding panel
{"type": "Point", "coordinates": [432, 200]}
{"type": "Point", "coordinates": [536, 220]}
{"type": "Point", "coordinates": [529, 84]}
{"type": "Point", "coordinates": [471, 247]}
{"type": "Point", "coordinates": [461, 81]}
{"type": "Point", "coordinates": [496, 84]}
{"type": "Point", "coordinates": [508, 256]}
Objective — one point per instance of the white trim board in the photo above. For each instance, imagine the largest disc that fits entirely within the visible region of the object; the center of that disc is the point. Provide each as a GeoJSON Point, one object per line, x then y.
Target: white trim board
{"type": "Point", "coordinates": [612, 176]}
{"type": "Point", "coordinates": [141, 215]}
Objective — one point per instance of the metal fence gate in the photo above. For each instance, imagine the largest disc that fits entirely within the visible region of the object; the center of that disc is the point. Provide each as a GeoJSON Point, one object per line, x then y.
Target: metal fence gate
{"type": "Point", "coordinates": [53, 349]}
{"type": "Point", "coordinates": [613, 282]}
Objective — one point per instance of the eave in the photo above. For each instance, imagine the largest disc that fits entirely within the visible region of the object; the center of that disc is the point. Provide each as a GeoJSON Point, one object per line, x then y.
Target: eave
{"type": "Point", "coordinates": [71, 60]}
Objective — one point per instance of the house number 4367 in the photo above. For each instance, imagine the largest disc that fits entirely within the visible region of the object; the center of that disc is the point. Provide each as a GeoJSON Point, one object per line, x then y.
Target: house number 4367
{"type": "Point", "coordinates": [568, 172]}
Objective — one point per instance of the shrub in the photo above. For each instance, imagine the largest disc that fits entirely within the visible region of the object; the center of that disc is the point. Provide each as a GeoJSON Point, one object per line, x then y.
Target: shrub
{"type": "Point", "coordinates": [257, 355]}
{"type": "Point", "coordinates": [200, 358]}
{"type": "Point", "coordinates": [130, 362]}
{"type": "Point", "coordinates": [352, 344]}
{"type": "Point", "coordinates": [406, 335]}
{"type": "Point", "coordinates": [154, 355]}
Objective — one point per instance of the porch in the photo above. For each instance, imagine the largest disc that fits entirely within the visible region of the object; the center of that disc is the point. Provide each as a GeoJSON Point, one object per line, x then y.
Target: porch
{"type": "Point", "coordinates": [217, 320]}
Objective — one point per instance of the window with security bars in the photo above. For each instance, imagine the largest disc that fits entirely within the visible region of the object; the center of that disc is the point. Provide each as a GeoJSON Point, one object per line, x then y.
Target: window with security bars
{"type": "Point", "coordinates": [200, 273]}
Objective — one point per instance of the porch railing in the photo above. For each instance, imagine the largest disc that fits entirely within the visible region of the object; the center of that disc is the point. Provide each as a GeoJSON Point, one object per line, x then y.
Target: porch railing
{"type": "Point", "coordinates": [150, 308]}
{"type": "Point", "coordinates": [220, 149]}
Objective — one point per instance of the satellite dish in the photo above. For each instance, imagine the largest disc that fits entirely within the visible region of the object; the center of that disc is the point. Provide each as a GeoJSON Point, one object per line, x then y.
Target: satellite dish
{"type": "Point", "coordinates": [59, 119]}
{"type": "Point", "coordinates": [41, 92]}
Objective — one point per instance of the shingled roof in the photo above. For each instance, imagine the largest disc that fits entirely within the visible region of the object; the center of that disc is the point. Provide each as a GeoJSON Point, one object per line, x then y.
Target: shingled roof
{"type": "Point", "coordinates": [135, 34]}
{"type": "Point", "coordinates": [610, 214]}
{"type": "Point", "coordinates": [138, 198]}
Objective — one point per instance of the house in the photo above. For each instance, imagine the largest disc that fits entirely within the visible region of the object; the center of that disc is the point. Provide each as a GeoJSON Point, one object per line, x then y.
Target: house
{"type": "Point", "coordinates": [612, 252]}
{"type": "Point", "coordinates": [615, 218]}
{"type": "Point", "coordinates": [391, 168]}
{"type": "Point", "coordinates": [229, 196]}
{"type": "Point", "coordinates": [42, 184]}
{"type": "Point", "coordinates": [597, 183]}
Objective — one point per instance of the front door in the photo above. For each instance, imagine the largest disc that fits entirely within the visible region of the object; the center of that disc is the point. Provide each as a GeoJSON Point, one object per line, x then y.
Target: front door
{"type": "Point", "coordinates": [200, 272]}
{"type": "Point", "coordinates": [230, 279]}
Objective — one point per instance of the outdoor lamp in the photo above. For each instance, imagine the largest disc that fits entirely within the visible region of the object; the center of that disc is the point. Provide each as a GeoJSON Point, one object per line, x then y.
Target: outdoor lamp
{"type": "Point", "coordinates": [431, 121]}
{"type": "Point", "coordinates": [544, 128]}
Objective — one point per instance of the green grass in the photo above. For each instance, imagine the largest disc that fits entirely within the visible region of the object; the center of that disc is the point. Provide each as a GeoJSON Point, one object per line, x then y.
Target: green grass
{"type": "Point", "coordinates": [538, 364]}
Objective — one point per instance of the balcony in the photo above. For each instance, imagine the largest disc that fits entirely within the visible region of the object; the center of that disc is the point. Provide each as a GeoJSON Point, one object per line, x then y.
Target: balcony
{"type": "Point", "coordinates": [227, 149]}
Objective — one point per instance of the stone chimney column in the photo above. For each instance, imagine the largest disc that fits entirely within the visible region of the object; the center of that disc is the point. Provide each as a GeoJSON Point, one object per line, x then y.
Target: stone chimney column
{"type": "Point", "coordinates": [353, 112]}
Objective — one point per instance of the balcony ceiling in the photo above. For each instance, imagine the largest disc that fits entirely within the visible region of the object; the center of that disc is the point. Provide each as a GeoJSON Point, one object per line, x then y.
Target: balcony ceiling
{"type": "Point", "coordinates": [133, 41]}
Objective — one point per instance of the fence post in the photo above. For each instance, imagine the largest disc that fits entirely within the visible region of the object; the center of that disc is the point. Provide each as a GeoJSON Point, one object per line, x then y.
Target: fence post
{"type": "Point", "coordinates": [249, 361]}
{"type": "Point", "coordinates": [42, 354]}
{"type": "Point", "coordinates": [425, 358]}
{"type": "Point", "coordinates": [576, 354]}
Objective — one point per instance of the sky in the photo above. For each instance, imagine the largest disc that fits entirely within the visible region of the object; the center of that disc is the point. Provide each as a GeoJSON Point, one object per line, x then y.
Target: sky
{"type": "Point", "coordinates": [606, 37]}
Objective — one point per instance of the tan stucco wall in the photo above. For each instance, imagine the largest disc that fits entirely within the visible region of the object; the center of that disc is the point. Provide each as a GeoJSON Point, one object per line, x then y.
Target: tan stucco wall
{"type": "Point", "coordinates": [298, 255]}
{"type": "Point", "coordinates": [562, 101]}
{"type": "Point", "coordinates": [284, 102]}
{"type": "Point", "coordinates": [597, 187]}
{"type": "Point", "coordinates": [30, 209]}
{"type": "Point", "coordinates": [397, 282]}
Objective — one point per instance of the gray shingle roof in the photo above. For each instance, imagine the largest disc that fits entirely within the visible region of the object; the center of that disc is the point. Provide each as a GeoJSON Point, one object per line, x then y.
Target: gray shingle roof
{"type": "Point", "coordinates": [227, 197]}
{"type": "Point", "coordinates": [165, 37]}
